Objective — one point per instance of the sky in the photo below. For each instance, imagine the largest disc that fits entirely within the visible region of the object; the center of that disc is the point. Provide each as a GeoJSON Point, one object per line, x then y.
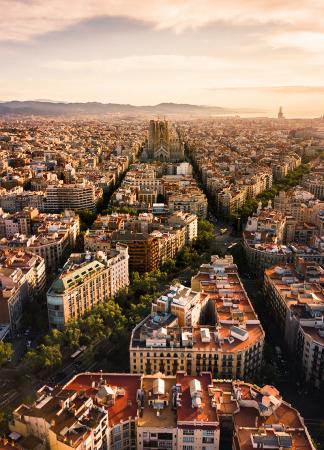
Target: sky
{"type": "Point", "coordinates": [255, 54]}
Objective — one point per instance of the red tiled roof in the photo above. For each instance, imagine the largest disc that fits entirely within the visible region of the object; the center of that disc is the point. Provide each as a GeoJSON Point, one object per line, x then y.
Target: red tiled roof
{"type": "Point", "coordinates": [125, 406]}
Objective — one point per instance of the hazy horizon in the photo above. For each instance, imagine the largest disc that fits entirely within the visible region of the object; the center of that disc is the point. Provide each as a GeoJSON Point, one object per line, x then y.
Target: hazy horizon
{"type": "Point", "coordinates": [256, 54]}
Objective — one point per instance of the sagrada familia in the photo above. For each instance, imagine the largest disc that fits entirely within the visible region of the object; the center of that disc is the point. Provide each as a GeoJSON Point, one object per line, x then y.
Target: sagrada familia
{"type": "Point", "coordinates": [163, 143]}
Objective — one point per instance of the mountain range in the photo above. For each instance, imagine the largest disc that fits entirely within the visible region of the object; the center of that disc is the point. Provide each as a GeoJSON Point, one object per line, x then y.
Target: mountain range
{"type": "Point", "coordinates": [50, 108]}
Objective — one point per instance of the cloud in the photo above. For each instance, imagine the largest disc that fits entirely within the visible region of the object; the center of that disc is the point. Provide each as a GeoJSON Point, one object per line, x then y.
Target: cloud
{"type": "Point", "coordinates": [307, 40]}
{"type": "Point", "coordinates": [22, 20]}
{"type": "Point", "coordinates": [142, 63]}
{"type": "Point", "coordinates": [294, 90]}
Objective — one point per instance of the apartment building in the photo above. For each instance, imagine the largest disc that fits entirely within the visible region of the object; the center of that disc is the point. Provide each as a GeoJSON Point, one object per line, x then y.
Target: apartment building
{"type": "Point", "coordinates": [187, 305]}
{"type": "Point", "coordinates": [145, 183]}
{"type": "Point", "coordinates": [314, 183]}
{"type": "Point", "coordinates": [151, 241]}
{"type": "Point", "coordinates": [263, 238]}
{"type": "Point", "coordinates": [125, 196]}
{"type": "Point", "coordinates": [230, 200]}
{"type": "Point", "coordinates": [53, 236]}
{"type": "Point", "coordinates": [191, 201]}
{"type": "Point", "coordinates": [22, 279]}
{"type": "Point", "coordinates": [187, 220]}
{"type": "Point", "coordinates": [86, 280]}
{"type": "Point", "coordinates": [140, 412]}
{"type": "Point", "coordinates": [212, 328]}
{"type": "Point", "coordinates": [298, 203]}
{"type": "Point", "coordinates": [19, 222]}
{"type": "Point", "coordinates": [13, 294]}
{"type": "Point", "coordinates": [31, 265]}
{"type": "Point", "coordinates": [283, 164]}
{"type": "Point", "coordinates": [30, 221]}
{"type": "Point", "coordinates": [296, 297]}
{"type": "Point", "coordinates": [271, 237]}
{"type": "Point", "coordinates": [171, 241]}
{"type": "Point", "coordinates": [74, 196]}
{"type": "Point", "coordinates": [13, 201]}
{"type": "Point", "coordinates": [143, 248]}
{"type": "Point", "coordinates": [258, 183]}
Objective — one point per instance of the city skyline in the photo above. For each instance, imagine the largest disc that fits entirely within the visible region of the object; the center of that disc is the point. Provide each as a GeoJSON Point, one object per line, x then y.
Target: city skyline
{"type": "Point", "coordinates": [259, 55]}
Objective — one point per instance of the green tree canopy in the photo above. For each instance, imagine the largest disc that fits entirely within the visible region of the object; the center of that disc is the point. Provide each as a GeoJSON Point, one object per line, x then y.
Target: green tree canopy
{"type": "Point", "coordinates": [6, 351]}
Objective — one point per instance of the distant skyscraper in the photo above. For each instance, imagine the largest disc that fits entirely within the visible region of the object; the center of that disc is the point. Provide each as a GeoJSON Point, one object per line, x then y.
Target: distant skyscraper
{"type": "Point", "coordinates": [280, 113]}
{"type": "Point", "coordinates": [163, 143]}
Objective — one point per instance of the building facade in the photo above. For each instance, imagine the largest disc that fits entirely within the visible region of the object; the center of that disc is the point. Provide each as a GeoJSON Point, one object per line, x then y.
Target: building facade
{"type": "Point", "coordinates": [143, 412]}
{"type": "Point", "coordinates": [74, 196]}
{"type": "Point", "coordinates": [163, 144]}
{"type": "Point", "coordinates": [211, 327]}
{"type": "Point", "coordinates": [87, 279]}
{"type": "Point", "coordinates": [296, 298]}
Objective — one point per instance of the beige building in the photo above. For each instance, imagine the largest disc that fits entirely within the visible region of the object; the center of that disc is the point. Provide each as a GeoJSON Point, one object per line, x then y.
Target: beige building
{"type": "Point", "coordinates": [212, 328]}
{"type": "Point", "coordinates": [143, 412]}
{"type": "Point", "coordinates": [74, 196]}
{"type": "Point", "coordinates": [32, 266]}
{"type": "Point", "coordinates": [191, 201]}
{"type": "Point", "coordinates": [13, 294]}
{"type": "Point", "coordinates": [86, 280]}
{"type": "Point", "coordinates": [22, 278]}
{"type": "Point", "coordinates": [296, 298]}
{"type": "Point", "coordinates": [299, 203]}
{"type": "Point", "coordinates": [314, 183]}
{"type": "Point", "coordinates": [272, 237]}
{"type": "Point", "coordinates": [151, 241]}
{"type": "Point", "coordinates": [184, 303]}
{"type": "Point", "coordinates": [16, 201]}
{"type": "Point", "coordinates": [230, 200]}
{"type": "Point", "coordinates": [187, 220]}
{"type": "Point", "coordinates": [263, 239]}
{"type": "Point", "coordinates": [54, 236]}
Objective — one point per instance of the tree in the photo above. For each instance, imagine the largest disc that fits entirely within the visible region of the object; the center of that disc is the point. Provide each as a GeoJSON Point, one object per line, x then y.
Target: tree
{"type": "Point", "coordinates": [138, 311]}
{"type": "Point", "coordinates": [188, 258]}
{"type": "Point", "coordinates": [54, 337]}
{"type": "Point", "coordinates": [87, 217]}
{"type": "Point", "coordinates": [204, 240]}
{"type": "Point", "coordinates": [71, 336]}
{"type": "Point", "coordinates": [92, 328]}
{"type": "Point", "coordinates": [5, 417]}
{"type": "Point", "coordinates": [32, 360]}
{"type": "Point", "coordinates": [43, 357]}
{"type": "Point", "coordinates": [205, 225]}
{"type": "Point", "coordinates": [112, 316]}
{"type": "Point", "coordinates": [50, 355]}
{"type": "Point", "coordinates": [6, 351]}
{"type": "Point", "coordinates": [169, 266]}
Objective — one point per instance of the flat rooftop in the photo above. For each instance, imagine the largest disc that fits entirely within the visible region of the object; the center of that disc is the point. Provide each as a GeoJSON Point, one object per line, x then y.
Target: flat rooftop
{"type": "Point", "coordinates": [206, 413]}
{"type": "Point", "coordinates": [166, 417]}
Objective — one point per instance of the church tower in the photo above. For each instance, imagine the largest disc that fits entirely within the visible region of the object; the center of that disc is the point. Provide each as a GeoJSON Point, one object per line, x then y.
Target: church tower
{"type": "Point", "coordinates": [280, 113]}
{"type": "Point", "coordinates": [163, 143]}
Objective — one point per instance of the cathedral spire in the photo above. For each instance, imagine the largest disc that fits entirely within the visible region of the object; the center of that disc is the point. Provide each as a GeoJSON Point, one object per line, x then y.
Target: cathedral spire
{"type": "Point", "coordinates": [280, 113]}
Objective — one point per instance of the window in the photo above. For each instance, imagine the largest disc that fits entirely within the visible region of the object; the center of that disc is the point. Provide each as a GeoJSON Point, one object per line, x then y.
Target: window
{"type": "Point", "coordinates": [188, 432]}
{"type": "Point", "coordinates": [116, 429]}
